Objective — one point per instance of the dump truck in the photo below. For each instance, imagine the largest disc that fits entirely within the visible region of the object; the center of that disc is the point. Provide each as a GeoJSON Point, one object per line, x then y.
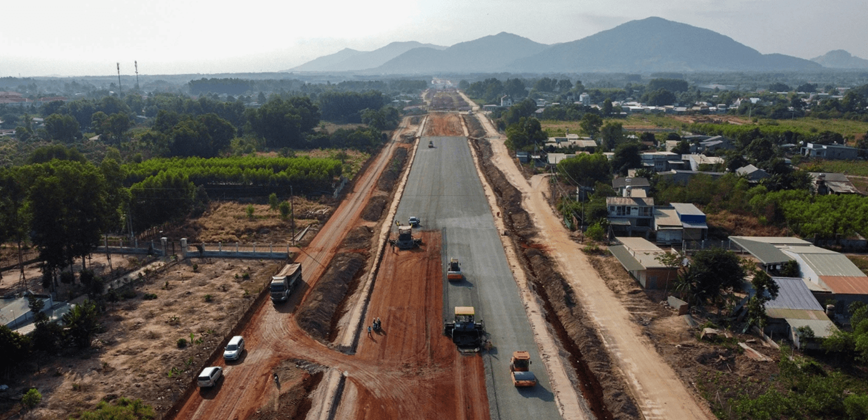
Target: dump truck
{"type": "Point", "coordinates": [405, 238]}
{"type": "Point", "coordinates": [282, 282]}
{"type": "Point", "coordinates": [519, 367]}
{"type": "Point", "coordinates": [465, 332]}
{"type": "Point", "coordinates": [453, 270]}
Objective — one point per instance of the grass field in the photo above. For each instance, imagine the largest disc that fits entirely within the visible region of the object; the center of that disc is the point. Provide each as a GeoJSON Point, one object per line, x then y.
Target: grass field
{"type": "Point", "coordinates": [849, 167]}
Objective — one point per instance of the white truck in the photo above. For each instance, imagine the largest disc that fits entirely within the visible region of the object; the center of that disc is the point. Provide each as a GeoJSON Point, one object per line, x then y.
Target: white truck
{"type": "Point", "coordinates": [281, 284]}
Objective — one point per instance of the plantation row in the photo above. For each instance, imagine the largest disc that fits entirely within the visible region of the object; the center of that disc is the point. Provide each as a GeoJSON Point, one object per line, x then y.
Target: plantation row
{"type": "Point", "coordinates": [253, 171]}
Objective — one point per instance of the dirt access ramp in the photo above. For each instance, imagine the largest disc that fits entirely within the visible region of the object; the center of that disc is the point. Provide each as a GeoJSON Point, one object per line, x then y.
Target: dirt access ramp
{"type": "Point", "coordinates": [444, 124]}
{"type": "Point", "coordinates": [423, 375]}
{"type": "Point", "coordinates": [622, 352]}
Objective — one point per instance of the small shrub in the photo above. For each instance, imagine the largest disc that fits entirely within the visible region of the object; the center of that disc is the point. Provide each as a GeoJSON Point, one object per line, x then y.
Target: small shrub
{"type": "Point", "coordinates": [246, 293]}
{"type": "Point", "coordinates": [245, 276]}
{"type": "Point", "coordinates": [31, 399]}
{"type": "Point", "coordinates": [208, 298]}
{"type": "Point", "coordinates": [67, 277]}
{"type": "Point", "coordinates": [250, 211]}
{"type": "Point", "coordinates": [592, 249]}
{"type": "Point", "coordinates": [149, 296]}
{"type": "Point", "coordinates": [195, 268]}
{"type": "Point", "coordinates": [182, 342]}
{"type": "Point", "coordinates": [128, 294]}
{"type": "Point", "coordinates": [174, 320]}
{"type": "Point", "coordinates": [596, 232]}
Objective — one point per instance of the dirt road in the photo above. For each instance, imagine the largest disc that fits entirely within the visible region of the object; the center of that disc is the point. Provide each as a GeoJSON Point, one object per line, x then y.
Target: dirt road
{"type": "Point", "coordinates": [655, 386]}
{"type": "Point", "coordinates": [422, 376]}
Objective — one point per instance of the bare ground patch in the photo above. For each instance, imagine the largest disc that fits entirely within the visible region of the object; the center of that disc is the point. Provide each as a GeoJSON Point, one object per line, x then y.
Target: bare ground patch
{"type": "Point", "coordinates": [297, 378]}
{"type": "Point", "coordinates": [391, 175]}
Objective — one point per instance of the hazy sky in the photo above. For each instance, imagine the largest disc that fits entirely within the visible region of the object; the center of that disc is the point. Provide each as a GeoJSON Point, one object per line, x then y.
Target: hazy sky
{"type": "Point", "coordinates": [71, 38]}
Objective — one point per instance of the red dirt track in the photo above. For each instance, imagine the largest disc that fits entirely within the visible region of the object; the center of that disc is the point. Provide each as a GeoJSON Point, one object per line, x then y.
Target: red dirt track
{"type": "Point", "coordinates": [428, 378]}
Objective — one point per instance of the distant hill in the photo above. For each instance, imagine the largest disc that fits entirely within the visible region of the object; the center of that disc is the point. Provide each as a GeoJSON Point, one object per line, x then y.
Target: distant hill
{"type": "Point", "coordinates": [656, 45]}
{"type": "Point", "coordinates": [352, 60]}
{"type": "Point", "coordinates": [326, 62]}
{"type": "Point", "coordinates": [486, 54]}
{"type": "Point", "coordinates": [840, 59]}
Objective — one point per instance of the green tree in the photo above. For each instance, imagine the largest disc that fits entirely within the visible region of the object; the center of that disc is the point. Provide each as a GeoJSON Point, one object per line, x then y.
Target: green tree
{"type": "Point", "coordinates": [161, 198]}
{"type": "Point", "coordinates": [765, 290]}
{"type": "Point", "coordinates": [524, 134]}
{"type": "Point", "coordinates": [515, 88]}
{"type": "Point", "coordinates": [284, 123]}
{"type": "Point", "coordinates": [564, 85]}
{"type": "Point", "coordinates": [607, 107]}
{"type": "Point", "coordinates": [82, 323]}
{"type": "Point", "coordinates": [273, 202]}
{"type": "Point", "coordinates": [626, 157]}
{"type": "Point", "coordinates": [585, 169]}
{"type": "Point", "coordinates": [713, 273]}
{"type": "Point", "coordinates": [670, 260]}
{"type": "Point", "coordinates": [62, 128]}
{"type": "Point", "coordinates": [68, 209]}
{"type": "Point", "coordinates": [14, 348]}
{"type": "Point", "coordinates": [660, 97]}
{"type": "Point", "coordinates": [613, 134]}
{"type": "Point", "coordinates": [14, 217]}
{"type": "Point", "coordinates": [591, 124]}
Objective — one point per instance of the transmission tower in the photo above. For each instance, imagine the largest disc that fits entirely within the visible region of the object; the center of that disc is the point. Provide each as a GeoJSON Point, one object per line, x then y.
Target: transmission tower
{"type": "Point", "coordinates": [119, 80]}
{"type": "Point", "coordinates": [137, 74]}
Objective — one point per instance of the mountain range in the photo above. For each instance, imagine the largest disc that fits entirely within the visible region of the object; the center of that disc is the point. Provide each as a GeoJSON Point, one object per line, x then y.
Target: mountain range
{"type": "Point", "coordinates": [641, 46]}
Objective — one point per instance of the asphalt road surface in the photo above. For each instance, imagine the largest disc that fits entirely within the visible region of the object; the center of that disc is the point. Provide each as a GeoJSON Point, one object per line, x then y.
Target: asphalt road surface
{"type": "Point", "coordinates": [444, 191]}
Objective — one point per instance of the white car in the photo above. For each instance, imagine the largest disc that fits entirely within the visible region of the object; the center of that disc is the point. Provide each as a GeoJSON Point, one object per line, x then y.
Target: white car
{"type": "Point", "coordinates": [234, 348]}
{"type": "Point", "coordinates": [209, 376]}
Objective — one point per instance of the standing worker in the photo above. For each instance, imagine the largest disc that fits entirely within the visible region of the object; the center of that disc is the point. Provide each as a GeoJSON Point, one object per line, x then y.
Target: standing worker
{"type": "Point", "coordinates": [369, 331]}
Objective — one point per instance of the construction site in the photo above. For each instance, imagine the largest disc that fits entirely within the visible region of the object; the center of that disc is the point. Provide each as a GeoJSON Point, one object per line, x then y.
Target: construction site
{"type": "Point", "coordinates": [439, 285]}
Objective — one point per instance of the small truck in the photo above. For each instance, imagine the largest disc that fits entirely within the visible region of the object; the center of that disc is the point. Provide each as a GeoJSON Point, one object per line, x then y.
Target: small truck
{"type": "Point", "coordinates": [282, 283]}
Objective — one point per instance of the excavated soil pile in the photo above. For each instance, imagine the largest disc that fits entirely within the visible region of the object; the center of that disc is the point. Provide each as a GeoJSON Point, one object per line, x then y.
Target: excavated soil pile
{"type": "Point", "coordinates": [508, 198]}
{"type": "Point", "coordinates": [374, 209]}
{"type": "Point", "coordinates": [358, 238]}
{"type": "Point", "coordinates": [474, 127]}
{"type": "Point", "coordinates": [602, 386]}
{"type": "Point", "coordinates": [297, 379]}
{"type": "Point", "coordinates": [316, 317]}
{"type": "Point", "coordinates": [393, 172]}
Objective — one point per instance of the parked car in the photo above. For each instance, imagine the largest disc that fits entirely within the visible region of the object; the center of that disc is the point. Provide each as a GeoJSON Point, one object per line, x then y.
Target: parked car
{"type": "Point", "coordinates": [209, 376]}
{"type": "Point", "coordinates": [234, 348]}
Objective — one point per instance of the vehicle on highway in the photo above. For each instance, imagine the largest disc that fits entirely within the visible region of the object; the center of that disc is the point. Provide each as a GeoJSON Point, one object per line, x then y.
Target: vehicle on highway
{"type": "Point", "coordinates": [234, 349]}
{"type": "Point", "coordinates": [405, 238]}
{"type": "Point", "coordinates": [414, 221]}
{"type": "Point", "coordinates": [519, 367]}
{"type": "Point", "coordinates": [430, 144]}
{"type": "Point", "coordinates": [465, 332]}
{"type": "Point", "coordinates": [453, 270]}
{"type": "Point", "coordinates": [209, 376]}
{"type": "Point", "coordinates": [281, 284]}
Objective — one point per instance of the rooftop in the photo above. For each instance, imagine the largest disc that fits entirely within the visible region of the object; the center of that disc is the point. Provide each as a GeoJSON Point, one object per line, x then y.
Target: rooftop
{"type": "Point", "coordinates": [846, 285]}
{"type": "Point", "coordinates": [793, 294]}
{"type": "Point", "coordinates": [633, 182]}
{"type": "Point", "coordinates": [687, 209]}
{"type": "Point", "coordinates": [629, 201]}
{"type": "Point", "coordinates": [666, 218]}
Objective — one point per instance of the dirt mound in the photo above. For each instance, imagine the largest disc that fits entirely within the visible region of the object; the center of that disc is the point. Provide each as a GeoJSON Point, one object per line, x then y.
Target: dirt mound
{"type": "Point", "coordinates": [393, 172]}
{"type": "Point", "coordinates": [602, 386]}
{"type": "Point", "coordinates": [374, 209]}
{"type": "Point", "coordinates": [359, 237]}
{"type": "Point", "coordinates": [474, 126]}
{"type": "Point", "coordinates": [508, 197]}
{"type": "Point", "coordinates": [320, 309]}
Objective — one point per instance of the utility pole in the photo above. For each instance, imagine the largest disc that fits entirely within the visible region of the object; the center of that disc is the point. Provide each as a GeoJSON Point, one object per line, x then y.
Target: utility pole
{"type": "Point", "coordinates": [137, 74]}
{"type": "Point", "coordinates": [292, 212]}
{"type": "Point", "coordinates": [119, 80]}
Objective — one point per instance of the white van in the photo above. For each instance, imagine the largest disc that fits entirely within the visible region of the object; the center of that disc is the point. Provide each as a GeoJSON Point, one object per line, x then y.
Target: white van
{"type": "Point", "coordinates": [234, 348]}
{"type": "Point", "coordinates": [209, 376]}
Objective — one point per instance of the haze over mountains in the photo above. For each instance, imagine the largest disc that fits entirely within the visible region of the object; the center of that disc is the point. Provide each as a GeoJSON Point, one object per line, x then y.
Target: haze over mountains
{"type": "Point", "coordinates": [640, 46]}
